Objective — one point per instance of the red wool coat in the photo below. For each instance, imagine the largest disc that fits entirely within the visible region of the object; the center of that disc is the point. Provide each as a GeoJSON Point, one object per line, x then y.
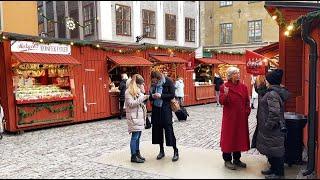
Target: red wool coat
{"type": "Point", "coordinates": [236, 110]}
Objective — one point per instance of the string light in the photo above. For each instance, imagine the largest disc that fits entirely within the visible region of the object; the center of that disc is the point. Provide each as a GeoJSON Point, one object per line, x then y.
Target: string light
{"type": "Point", "coordinates": [4, 37]}
{"type": "Point", "coordinates": [156, 47]}
{"type": "Point", "coordinates": [274, 17]}
{"type": "Point", "coordinates": [41, 40]}
{"type": "Point", "coordinates": [290, 27]}
{"type": "Point", "coordinates": [287, 33]}
{"type": "Point", "coordinates": [71, 43]}
{"type": "Point", "coordinates": [97, 45]}
{"type": "Point", "coordinates": [120, 51]}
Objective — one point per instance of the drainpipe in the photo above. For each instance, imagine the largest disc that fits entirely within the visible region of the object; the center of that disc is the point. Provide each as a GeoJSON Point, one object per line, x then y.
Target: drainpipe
{"type": "Point", "coordinates": [313, 57]}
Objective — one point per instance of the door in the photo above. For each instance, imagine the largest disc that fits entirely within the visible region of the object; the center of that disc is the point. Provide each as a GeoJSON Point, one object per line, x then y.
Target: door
{"type": "Point", "coordinates": [95, 88]}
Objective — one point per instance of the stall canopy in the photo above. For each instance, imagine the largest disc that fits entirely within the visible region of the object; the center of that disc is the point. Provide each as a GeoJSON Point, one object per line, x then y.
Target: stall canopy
{"type": "Point", "coordinates": [233, 62]}
{"type": "Point", "coordinates": [168, 59]}
{"type": "Point", "coordinates": [40, 58]}
{"type": "Point", "coordinates": [209, 61]}
{"type": "Point", "coordinates": [128, 61]}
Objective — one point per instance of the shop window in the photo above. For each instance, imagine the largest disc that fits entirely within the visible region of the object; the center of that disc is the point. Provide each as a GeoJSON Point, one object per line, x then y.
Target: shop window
{"type": "Point", "coordinates": [170, 27]}
{"type": "Point", "coordinates": [226, 33]}
{"type": "Point", "coordinates": [255, 31]}
{"type": "Point", "coordinates": [204, 74]}
{"type": "Point", "coordinates": [123, 20]}
{"type": "Point", "coordinates": [149, 23]}
{"type": "Point", "coordinates": [88, 19]}
{"type": "Point", "coordinates": [60, 16]}
{"type": "Point", "coordinates": [225, 3]}
{"type": "Point", "coordinates": [190, 30]}
{"type": "Point", "coordinates": [73, 8]}
{"type": "Point", "coordinates": [115, 76]}
{"type": "Point", "coordinates": [50, 20]}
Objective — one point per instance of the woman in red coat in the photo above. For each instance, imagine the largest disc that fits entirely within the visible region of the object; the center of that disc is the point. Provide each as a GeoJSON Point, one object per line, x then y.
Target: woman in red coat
{"type": "Point", "coordinates": [236, 109]}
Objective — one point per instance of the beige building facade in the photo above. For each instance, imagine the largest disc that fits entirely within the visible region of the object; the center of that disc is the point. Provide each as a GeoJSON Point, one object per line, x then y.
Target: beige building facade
{"type": "Point", "coordinates": [19, 17]}
{"type": "Point", "coordinates": [234, 26]}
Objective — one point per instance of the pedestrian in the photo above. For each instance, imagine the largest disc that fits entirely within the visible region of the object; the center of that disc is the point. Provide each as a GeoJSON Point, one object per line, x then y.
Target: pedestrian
{"type": "Point", "coordinates": [234, 97]}
{"type": "Point", "coordinates": [162, 92]}
{"type": "Point", "coordinates": [254, 94]}
{"type": "Point", "coordinates": [136, 113]}
{"type": "Point", "coordinates": [179, 85]}
{"type": "Point", "coordinates": [218, 81]}
{"type": "Point", "coordinates": [122, 89]}
{"type": "Point", "coordinates": [271, 125]}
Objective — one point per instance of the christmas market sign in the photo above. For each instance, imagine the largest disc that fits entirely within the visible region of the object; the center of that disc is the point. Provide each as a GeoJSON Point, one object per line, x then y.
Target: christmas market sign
{"type": "Point", "coordinates": [37, 47]}
{"type": "Point", "coordinates": [256, 64]}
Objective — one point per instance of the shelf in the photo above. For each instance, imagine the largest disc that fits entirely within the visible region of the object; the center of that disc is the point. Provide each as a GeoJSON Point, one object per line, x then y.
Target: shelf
{"type": "Point", "coordinates": [43, 100]}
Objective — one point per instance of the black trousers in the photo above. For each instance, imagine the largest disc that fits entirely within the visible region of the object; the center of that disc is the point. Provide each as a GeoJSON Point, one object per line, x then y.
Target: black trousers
{"type": "Point", "coordinates": [157, 134]}
{"type": "Point", "coordinates": [277, 165]}
{"type": "Point", "coordinates": [228, 156]}
{"type": "Point", "coordinates": [121, 108]}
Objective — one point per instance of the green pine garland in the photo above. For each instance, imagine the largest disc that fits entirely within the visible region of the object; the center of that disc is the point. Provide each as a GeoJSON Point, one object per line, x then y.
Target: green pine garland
{"type": "Point", "coordinates": [224, 52]}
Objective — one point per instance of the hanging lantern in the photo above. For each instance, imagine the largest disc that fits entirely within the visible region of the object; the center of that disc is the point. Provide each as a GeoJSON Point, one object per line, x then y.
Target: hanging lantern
{"type": "Point", "coordinates": [70, 24]}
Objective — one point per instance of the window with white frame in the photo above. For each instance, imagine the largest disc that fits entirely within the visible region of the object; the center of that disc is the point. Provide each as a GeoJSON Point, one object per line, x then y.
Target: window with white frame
{"type": "Point", "coordinates": [255, 31]}
{"type": "Point", "coordinates": [149, 23]}
{"type": "Point", "coordinates": [88, 19]}
{"type": "Point", "coordinates": [226, 33]}
{"type": "Point", "coordinates": [190, 30]}
{"type": "Point", "coordinates": [171, 25]}
{"type": "Point", "coordinates": [225, 3]}
{"type": "Point", "coordinates": [123, 20]}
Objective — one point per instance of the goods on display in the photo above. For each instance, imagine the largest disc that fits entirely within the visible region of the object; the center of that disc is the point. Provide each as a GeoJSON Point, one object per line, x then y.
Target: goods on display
{"type": "Point", "coordinates": [37, 92]}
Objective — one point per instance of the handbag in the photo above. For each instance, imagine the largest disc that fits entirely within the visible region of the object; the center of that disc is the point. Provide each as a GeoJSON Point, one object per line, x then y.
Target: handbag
{"type": "Point", "coordinates": [175, 105]}
{"type": "Point", "coordinates": [148, 123]}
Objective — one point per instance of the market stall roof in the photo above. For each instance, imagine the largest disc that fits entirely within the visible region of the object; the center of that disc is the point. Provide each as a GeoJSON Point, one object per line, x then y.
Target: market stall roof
{"type": "Point", "coordinates": [168, 59]}
{"type": "Point", "coordinates": [40, 58]}
{"type": "Point", "coordinates": [129, 61]}
{"type": "Point", "coordinates": [209, 61]}
{"type": "Point", "coordinates": [233, 62]}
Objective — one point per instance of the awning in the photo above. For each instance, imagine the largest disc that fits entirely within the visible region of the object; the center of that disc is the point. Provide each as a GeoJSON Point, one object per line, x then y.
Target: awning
{"type": "Point", "coordinates": [129, 61]}
{"type": "Point", "coordinates": [168, 59]}
{"type": "Point", "coordinates": [39, 58]}
{"type": "Point", "coordinates": [209, 61]}
{"type": "Point", "coordinates": [233, 62]}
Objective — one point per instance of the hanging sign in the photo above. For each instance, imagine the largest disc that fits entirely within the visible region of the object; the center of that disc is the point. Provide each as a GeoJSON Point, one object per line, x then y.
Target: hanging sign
{"type": "Point", "coordinates": [199, 52]}
{"type": "Point", "coordinates": [37, 47]}
{"type": "Point", "coordinates": [256, 64]}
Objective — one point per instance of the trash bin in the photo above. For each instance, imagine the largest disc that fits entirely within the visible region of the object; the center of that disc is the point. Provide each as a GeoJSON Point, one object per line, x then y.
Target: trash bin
{"type": "Point", "coordinates": [294, 140]}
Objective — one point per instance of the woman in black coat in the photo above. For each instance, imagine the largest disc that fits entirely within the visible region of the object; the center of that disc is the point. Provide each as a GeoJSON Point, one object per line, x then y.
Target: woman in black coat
{"type": "Point", "coordinates": [161, 93]}
{"type": "Point", "coordinates": [270, 137]}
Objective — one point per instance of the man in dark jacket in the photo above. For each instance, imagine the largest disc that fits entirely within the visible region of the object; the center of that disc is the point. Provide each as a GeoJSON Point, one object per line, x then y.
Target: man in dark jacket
{"type": "Point", "coordinates": [122, 89]}
{"type": "Point", "coordinates": [270, 138]}
{"type": "Point", "coordinates": [162, 92]}
{"type": "Point", "coordinates": [217, 82]}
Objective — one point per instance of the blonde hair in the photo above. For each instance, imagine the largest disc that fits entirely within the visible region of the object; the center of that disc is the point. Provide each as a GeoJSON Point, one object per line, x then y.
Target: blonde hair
{"type": "Point", "coordinates": [133, 88]}
{"type": "Point", "coordinates": [232, 70]}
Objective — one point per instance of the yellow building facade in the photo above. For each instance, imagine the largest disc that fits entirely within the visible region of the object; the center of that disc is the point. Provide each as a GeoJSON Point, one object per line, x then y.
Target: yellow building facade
{"type": "Point", "coordinates": [244, 16]}
{"type": "Point", "coordinates": [19, 17]}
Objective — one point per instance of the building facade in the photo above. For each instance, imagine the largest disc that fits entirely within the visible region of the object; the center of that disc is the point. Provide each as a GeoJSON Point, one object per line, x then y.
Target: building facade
{"type": "Point", "coordinates": [173, 23]}
{"type": "Point", "coordinates": [19, 17]}
{"type": "Point", "coordinates": [234, 26]}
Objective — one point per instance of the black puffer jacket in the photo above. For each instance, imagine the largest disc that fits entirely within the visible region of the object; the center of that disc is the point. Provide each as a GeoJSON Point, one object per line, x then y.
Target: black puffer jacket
{"type": "Point", "coordinates": [270, 139]}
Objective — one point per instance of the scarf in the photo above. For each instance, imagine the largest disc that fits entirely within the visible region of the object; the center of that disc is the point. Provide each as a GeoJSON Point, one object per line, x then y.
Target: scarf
{"type": "Point", "coordinates": [158, 89]}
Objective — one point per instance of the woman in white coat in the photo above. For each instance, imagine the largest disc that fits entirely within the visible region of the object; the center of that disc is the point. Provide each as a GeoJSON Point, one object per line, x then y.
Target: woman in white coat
{"type": "Point", "coordinates": [254, 94]}
{"type": "Point", "coordinates": [136, 115]}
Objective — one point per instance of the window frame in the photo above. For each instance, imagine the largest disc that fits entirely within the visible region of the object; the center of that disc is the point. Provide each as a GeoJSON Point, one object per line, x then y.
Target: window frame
{"type": "Point", "coordinates": [40, 19]}
{"type": "Point", "coordinates": [149, 24]}
{"type": "Point", "coordinates": [190, 30]}
{"type": "Point", "coordinates": [169, 27]}
{"type": "Point", "coordinates": [90, 19]}
{"type": "Point", "coordinates": [254, 30]}
{"type": "Point", "coordinates": [226, 5]}
{"type": "Point", "coordinates": [221, 35]}
{"type": "Point", "coordinates": [51, 30]}
{"type": "Point", "coordinates": [122, 20]}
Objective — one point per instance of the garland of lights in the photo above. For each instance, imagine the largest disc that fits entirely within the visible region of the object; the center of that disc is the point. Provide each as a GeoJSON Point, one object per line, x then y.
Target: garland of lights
{"type": "Point", "coordinates": [224, 52]}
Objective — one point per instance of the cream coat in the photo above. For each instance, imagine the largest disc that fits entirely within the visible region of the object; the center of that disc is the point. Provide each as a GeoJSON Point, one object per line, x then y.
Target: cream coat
{"type": "Point", "coordinates": [135, 112]}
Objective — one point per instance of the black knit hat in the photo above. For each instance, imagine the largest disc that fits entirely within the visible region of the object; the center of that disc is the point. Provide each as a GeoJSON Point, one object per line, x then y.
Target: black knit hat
{"type": "Point", "coordinates": [275, 77]}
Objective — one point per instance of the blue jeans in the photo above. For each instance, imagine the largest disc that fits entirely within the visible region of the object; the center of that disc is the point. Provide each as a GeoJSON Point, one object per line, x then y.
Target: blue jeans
{"type": "Point", "coordinates": [135, 142]}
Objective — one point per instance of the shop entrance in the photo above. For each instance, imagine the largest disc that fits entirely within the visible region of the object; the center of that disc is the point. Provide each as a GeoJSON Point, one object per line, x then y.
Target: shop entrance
{"type": "Point", "coordinates": [95, 88]}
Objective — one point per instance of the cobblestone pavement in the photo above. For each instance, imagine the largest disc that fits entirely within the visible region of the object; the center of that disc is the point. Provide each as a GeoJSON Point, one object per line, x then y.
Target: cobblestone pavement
{"type": "Point", "coordinates": [67, 152]}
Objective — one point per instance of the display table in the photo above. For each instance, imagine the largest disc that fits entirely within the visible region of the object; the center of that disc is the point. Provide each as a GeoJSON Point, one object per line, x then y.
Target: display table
{"type": "Point", "coordinates": [205, 92]}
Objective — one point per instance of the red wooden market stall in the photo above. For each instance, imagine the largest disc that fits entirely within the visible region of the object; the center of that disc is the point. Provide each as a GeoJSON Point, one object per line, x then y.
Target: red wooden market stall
{"type": "Point", "coordinates": [295, 60]}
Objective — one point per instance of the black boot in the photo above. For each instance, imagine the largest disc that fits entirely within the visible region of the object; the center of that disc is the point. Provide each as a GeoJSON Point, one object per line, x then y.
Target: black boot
{"type": "Point", "coordinates": [160, 155]}
{"type": "Point", "coordinates": [136, 159]}
{"type": "Point", "coordinates": [175, 155]}
{"type": "Point", "coordinates": [139, 155]}
{"type": "Point", "coordinates": [267, 172]}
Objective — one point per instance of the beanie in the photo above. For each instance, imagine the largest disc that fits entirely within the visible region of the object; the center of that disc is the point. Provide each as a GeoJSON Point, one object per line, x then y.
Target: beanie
{"type": "Point", "coordinates": [275, 77]}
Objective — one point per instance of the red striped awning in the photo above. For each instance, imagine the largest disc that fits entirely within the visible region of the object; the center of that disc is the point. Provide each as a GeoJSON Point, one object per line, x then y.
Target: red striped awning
{"type": "Point", "coordinates": [209, 61]}
{"type": "Point", "coordinates": [169, 59]}
{"type": "Point", "coordinates": [40, 58]}
{"type": "Point", "coordinates": [129, 61]}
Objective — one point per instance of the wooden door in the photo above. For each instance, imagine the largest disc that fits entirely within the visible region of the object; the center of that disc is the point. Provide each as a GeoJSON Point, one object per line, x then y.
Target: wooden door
{"type": "Point", "coordinates": [95, 88]}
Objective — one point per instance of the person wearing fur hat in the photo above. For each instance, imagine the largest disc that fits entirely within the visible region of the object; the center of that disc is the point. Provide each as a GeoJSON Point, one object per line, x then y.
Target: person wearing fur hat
{"type": "Point", "coordinates": [271, 125]}
{"type": "Point", "coordinates": [234, 139]}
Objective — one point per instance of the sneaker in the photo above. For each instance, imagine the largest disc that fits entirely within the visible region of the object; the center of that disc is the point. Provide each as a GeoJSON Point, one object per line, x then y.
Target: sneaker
{"type": "Point", "coordinates": [240, 164]}
{"type": "Point", "coordinates": [229, 165]}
